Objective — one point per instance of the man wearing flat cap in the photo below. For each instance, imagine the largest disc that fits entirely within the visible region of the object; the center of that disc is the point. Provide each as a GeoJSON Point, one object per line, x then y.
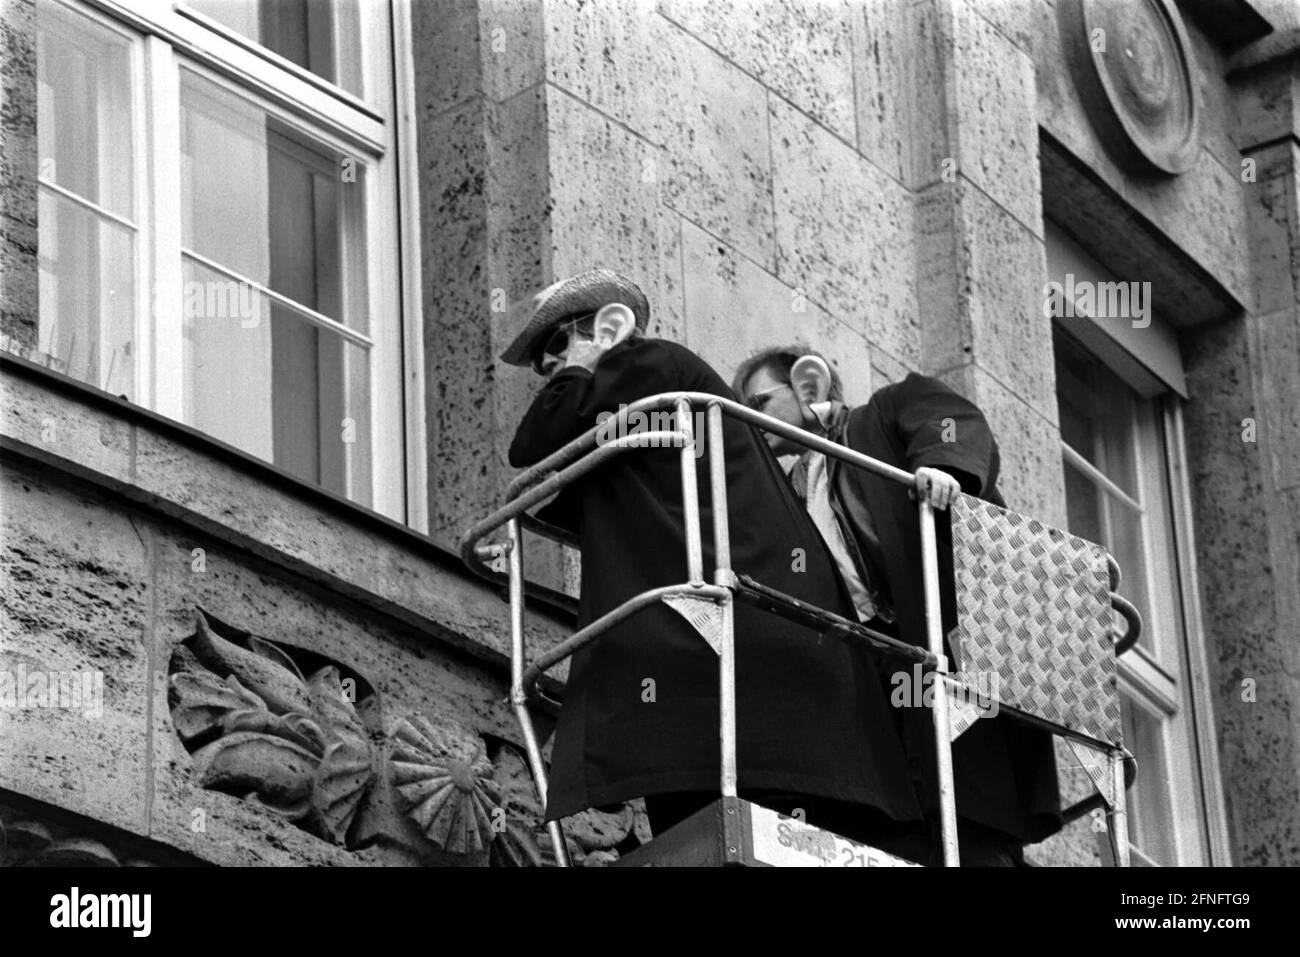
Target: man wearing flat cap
{"type": "Point", "coordinates": [813, 725]}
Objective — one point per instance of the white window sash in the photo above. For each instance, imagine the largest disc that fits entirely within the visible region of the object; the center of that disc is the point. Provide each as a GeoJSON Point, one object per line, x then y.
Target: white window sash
{"type": "Point", "coordinates": [1200, 688]}
{"type": "Point", "coordinates": [387, 402]}
{"type": "Point", "coordinates": [1144, 676]}
{"type": "Point", "coordinates": [170, 43]}
{"type": "Point", "coordinates": [1145, 679]}
{"type": "Point", "coordinates": [1160, 684]}
{"type": "Point", "coordinates": [281, 63]}
{"type": "Point", "coordinates": [167, 325]}
{"type": "Point", "coordinates": [407, 170]}
{"type": "Point", "coordinates": [1159, 540]}
{"type": "Point", "coordinates": [259, 70]}
{"type": "Point", "coordinates": [388, 478]}
{"type": "Point", "coordinates": [1158, 676]}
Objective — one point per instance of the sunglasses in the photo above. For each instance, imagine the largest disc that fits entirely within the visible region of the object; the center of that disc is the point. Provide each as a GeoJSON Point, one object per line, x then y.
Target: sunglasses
{"type": "Point", "coordinates": [758, 400]}
{"type": "Point", "coordinates": [558, 343]}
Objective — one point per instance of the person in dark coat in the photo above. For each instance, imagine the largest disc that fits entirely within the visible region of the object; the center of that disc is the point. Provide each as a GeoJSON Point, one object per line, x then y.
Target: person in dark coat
{"type": "Point", "coordinates": [641, 706]}
{"type": "Point", "coordinates": [1005, 772]}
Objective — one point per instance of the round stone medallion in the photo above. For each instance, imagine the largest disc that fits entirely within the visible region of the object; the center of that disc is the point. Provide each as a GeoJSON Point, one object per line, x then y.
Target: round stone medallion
{"type": "Point", "coordinates": [1132, 63]}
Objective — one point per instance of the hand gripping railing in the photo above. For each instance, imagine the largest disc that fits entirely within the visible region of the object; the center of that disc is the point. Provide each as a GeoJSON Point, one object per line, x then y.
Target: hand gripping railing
{"type": "Point", "coordinates": [610, 439]}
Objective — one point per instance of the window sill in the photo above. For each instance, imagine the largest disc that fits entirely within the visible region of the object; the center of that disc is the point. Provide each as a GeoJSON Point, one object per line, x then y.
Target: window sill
{"type": "Point", "coordinates": [189, 478]}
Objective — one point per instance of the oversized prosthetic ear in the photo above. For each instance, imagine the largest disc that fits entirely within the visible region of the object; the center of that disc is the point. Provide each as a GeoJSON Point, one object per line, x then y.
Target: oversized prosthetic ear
{"type": "Point", "coordinates": [810, 377]}
{"type": "Point", "coordinates": [613, 324]}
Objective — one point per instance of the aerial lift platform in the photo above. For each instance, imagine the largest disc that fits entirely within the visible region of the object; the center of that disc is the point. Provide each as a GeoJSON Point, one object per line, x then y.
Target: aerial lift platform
{"type": "Point", "coordinates": [1036, 607]}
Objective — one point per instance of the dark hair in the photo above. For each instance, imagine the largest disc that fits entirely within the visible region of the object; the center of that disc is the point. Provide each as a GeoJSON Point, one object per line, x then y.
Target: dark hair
{"type": "Point", "coordinates": [778, 360]}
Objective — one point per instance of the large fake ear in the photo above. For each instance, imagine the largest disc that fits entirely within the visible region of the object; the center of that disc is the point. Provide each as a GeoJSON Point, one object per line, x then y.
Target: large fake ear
{"type": "Point", "coordinates": [810, 377]}
{"type": "Point", "coordinates": [613, 324]}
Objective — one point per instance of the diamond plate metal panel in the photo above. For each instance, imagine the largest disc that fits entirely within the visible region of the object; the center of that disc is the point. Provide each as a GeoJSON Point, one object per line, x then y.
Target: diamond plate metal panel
{"type": "Point", "coordinates": [1033, 606]}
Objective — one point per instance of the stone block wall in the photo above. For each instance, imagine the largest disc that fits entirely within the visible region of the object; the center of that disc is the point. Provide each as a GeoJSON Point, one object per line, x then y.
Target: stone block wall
{"type": "Point", "coordinates": [868, 176]}
{"type": "Point", "coordinates": [861, 176]}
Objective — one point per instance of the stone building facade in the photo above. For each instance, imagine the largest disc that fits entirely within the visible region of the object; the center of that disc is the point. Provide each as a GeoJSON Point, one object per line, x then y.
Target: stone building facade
{"type": "Point", "coordinates": [296, 668]}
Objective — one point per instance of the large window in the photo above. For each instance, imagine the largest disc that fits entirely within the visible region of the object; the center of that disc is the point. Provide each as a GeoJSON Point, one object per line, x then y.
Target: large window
{"type": "Point", "coordinates": [219, 216]}
{"type": "Point", "coordinates": [1117, 494]}
{"type": "Point", "coordinates": [1125, 483]}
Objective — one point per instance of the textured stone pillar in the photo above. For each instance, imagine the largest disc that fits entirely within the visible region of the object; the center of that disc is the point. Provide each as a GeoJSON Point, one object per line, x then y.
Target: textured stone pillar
{"type": "Point", "coordinates": [1245, 374]}
{"type": "Point", "coordinates": [18, 265]}
{"type": "Point", "coordinates": [478, 177]}
{"type": "Point", "coordinates": [485, 158]}
{"type": "Point", "coordinates": [980, 256]}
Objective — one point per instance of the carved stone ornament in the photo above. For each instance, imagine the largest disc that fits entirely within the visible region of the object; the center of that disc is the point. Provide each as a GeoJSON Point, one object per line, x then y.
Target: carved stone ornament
{"type": "Point", "coordinates": [305, 739]}
{"type": "Point", "coordinates": [1133, 67]}
{"type": "Point", "coordinates": [258, 728]}
{"type": "Point", "coordinates": [445, 780]}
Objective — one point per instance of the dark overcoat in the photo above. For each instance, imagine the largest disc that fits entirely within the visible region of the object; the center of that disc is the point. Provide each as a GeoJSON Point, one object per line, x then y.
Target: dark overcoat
{"type": "Point", "coordinates": [1005, 772]}
{"type": "Point", "coordinates": [640, 713]}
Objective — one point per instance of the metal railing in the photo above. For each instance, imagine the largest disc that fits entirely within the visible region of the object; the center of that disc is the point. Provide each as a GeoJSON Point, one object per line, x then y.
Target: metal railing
{"type": "Point", "coordinates": [600, 444]}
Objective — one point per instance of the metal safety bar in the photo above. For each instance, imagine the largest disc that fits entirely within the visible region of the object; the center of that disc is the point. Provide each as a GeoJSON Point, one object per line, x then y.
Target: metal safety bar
{"type": "Point", "coordinates": [595, 448]}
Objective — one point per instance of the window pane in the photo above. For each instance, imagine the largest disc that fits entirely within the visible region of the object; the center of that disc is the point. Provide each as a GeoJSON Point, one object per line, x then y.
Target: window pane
{"type": "Point", "coordinates": [265, 200]}
{"type": "Point", "coordinates": [267, 381]}
{"type": "Point", "coordinates": [274, 209]}
{"type": "Point", "coordinates": [1099, 420]}
{"type": "Point", "coordinates": [83, 127]}
{"type": "Point", "coordinates": [87, 295]}
{"type": "Point", "coordinates": [322, 36]}
{"type": "Point", "coordinates": [1097, 410]}
{"type": "Point", "coordinates": [1150, 811]}
{"type": "Point", "coordinates": [1083, 502]}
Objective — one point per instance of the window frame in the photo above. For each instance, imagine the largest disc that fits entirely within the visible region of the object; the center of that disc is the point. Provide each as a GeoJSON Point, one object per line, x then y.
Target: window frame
{"type": "Point", "coordinates": [137, 221]}
{"type": "Point", "coordinates": [1183, 699]}
{"type": "Point", "coordinates": [250, 65]}
{"type": "Point", "coordinates": [165, 39]}
{"type": "Point", "coordinates": [1196, 659]}
{"type": "Point", "coordinates": [368, 36]}
{"type": "Point", "coordinates": [1148, 360]}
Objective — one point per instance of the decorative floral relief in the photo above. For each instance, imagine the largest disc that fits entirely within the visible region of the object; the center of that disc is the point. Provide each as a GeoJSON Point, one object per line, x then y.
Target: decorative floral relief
{"type": "Point", "coordinates": [261, 730]}
{"type": "Point", "coordinates": [274, 725]}
{"type": "Point", "coordinates": [445, 780]}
